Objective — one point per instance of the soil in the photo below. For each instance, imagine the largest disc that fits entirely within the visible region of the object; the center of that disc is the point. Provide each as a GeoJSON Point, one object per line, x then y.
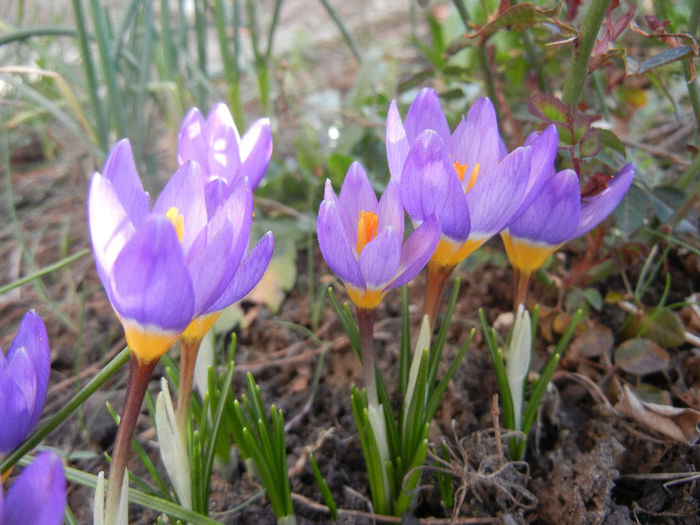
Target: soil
{"type": "Point", "coordinates": [585, 464]}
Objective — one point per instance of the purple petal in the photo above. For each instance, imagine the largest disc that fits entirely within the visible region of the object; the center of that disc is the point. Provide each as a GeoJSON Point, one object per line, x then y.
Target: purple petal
{"type": "Point", "coordinates": [212, 268]}
{"type": "Point", "coordinates": [476, 139]}
{"type": "Point", "coordinates": [191, 141]}
{"type": "Point", "coordinates": [150, 282]}
{"type": "Point", "coordinates": [554, 214]}
{"type": "Point", "coordinates": [32, 337]}
{"type": "Point", "coordinates": [426, 113]}
{"type": "Point", "coordinates": [430, 186]}
{"type": "Point", "coordinates": [248, 274]}
{"type": "Point", "coordinates": [216, 192]}
{"type": "Point", "coordinates": [120, 170]}
{"type": "Point", "coordinates": [14, 404]}
{"type": "Point", "coordinates": [496, 196]}
{"type": "Point", "coordinates": [380, 259]}
{"type": "Point", "coordinates": [417, 250]}
{"type": "Point", "coordinates": [223, 142]}
{"type": "Point", "coordinates": [544, 150]}
{"type": "Point", "coordinates": [335, 245]}
{"type": "Point", "coordinates": [598, 207]}
{"type": "Point", "coordinates": [185, 192]}
{"type": "Point", "coordinates": [110, 227]}
{"type": "Point", "coordinates": [356, 195]}
{"type": "Point", "coordinates": [256, 150]}
{"type": "Point", "coordinates": [397, 145]}
{"type": "Point", "coordinates": [391, 213]}
{"type": "Point", "coordinates": [38, 495]}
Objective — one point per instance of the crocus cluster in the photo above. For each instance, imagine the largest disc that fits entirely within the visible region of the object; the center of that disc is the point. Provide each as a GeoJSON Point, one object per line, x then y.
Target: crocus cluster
{"type": "Point", "coordinates": [171, 269]}
{"type": "Point", "coordinates": [467, 178]}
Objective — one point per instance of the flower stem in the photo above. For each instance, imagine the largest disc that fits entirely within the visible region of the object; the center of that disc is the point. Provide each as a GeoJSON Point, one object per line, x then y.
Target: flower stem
{"type": "Point", "coordinates": [365, 322]}
{"type": "Point", "coordinates": [436, 279]}
{"type": "Point", "coordinates": [522, 284]}
{"type": "Point", "coordinates": [188, 358]}
{"type": "Point", "coordinates": [575, 77]}
{"type": "Point", "coordinates": [139, 375]}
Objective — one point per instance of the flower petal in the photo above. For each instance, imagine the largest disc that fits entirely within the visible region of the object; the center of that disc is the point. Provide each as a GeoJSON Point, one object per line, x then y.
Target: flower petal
{"type": "Point", "coordinates": [223, 143]}
{"type": "Point", "coordinates": [120, 170]}
{"type": "Point", "coordinates": [426, 113]}
{"type": "Point", "coordinates": [417, 250]}
{"type": "Point", "coordinates": [185, 192]}
{"type": "Point", "coordinates": [191, 140]}
{"type": "Point", "coordinates": [430, 186]}
{"type": "Point", "coordinates": [544, 150]}
{"type": "Point", "coordinates": [110, 227]}
{"type": "Point", "coordinates": [600, 206]}
{"type": "Point", "coordinates": [38, 495]}
{"type": "Point", "coordinates": [380, 259]}
{"type": "Point", "coordinates": [14, 405]}
{"type": "Point", "coordinates": [248, 274]}
{"type": "Point", "coordinates": [356, 195]}
{"type": "Point", "coordinates": [335, 245]}
{"type": "Point", "coordinates": [32, 337]}
{"type": "Point", "coordinates": [256, 150]}
{"type": "Point", "coordinates": [150, 282]}
{"type": "Point", "coordinates": [552, 217]}
{"type": "Point", "coordinates": [496, 196]}
{"type": "Point", "coordinates": [391, 212]}
{"type": "Point", "coordinates": [477, 139]}
{"type": "Point", "coordinates": [397, 145]}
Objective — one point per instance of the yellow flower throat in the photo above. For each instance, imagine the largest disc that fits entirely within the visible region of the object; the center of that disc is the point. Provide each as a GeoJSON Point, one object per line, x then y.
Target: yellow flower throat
{"type": "Point", "coordinates": [462, 170]}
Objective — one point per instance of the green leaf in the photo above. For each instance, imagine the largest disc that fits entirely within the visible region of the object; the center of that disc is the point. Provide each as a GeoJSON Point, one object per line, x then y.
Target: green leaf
{"type": "Point", "coordinates": [660, 325]}
{"type": "Point", "coordinates": [549, 108]}
{"type": "Point", "coordinates": [666, 200]}
{"type": "Point", "coordinates": [640, 357]}
{"type": "Point", "coordinates": [629, 214]}
{"type": "Point", "coordinates": [664, 57]}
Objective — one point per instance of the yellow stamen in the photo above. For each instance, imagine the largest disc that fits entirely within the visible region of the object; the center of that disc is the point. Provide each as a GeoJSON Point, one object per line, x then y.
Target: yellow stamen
{"type": "Point", "coordinates": [462, 171]}
{"type": "Point", "coordinates": [526, 256]}
{"type": "Point", "coordinates": [178, 220]}
{"type": "Point", "coordinates": [367, 299]}
{"type": "Point", "coordinates": [366, 229]}
{"type": "Point", "coordinates": [450, 253]}
{"type": "Point", "coordinates": [198, 328]}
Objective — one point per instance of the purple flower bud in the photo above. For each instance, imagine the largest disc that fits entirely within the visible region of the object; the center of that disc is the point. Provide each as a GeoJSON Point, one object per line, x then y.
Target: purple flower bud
{"type": "Point", "coordinates": [24, 378]}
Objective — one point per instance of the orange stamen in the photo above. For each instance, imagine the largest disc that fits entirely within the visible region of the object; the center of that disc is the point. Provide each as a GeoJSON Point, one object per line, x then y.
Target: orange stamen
{"type": "Point", "coordinates": [462, 171]}
{"type": "Point", "coordinates": [366, 229]}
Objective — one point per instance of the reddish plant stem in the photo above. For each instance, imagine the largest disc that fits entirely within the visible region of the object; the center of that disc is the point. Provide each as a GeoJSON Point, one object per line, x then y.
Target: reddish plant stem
{"type": "Point", "coordinates": [139, 375]}
{"type": "Point", "coordinates": [188, 359]}
{"type": "Point", "coordinates": [522, 284]}
{"type": "Point", "coordinates": [436, 280]}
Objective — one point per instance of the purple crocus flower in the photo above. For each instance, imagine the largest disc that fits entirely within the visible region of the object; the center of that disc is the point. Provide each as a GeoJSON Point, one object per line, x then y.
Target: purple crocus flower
{"type": "Point", "coordinates": [218, 148]}
{"type": "Point", "coordinates": [467, 178]}
{"type": "Point", "coordinates": [182, 261]}
{"type": "Point", "coordinates": [24, 378]}
{"type": "Point", "coordinates": [38, 495]}
{"type": "Point", "coordinates": [361, 238]}
{"type": "Point", "coordinates": [557, 215]}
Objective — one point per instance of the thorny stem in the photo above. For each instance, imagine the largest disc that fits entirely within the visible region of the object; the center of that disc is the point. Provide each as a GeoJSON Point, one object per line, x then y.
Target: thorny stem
{"type": "Point", "coordinates": [188, 358]}
{"type": "Point", "coordinates": [687, 70]}
{"type": "Point", "coordinates": [365, 321]}
{"type": "Point", "coordinates": [575, 77]}
{"type": "Point", "coordinates": [522, 284]}
{"type": "Point", "coordinates": [139, 375]}
{"type": "Point", "coordinates": [436, 279]}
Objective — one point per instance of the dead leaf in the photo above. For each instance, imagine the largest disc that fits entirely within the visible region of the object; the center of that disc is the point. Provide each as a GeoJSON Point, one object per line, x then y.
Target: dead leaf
{"type": "Point", "coordinates": [641, 356]}
{"type": "Point", "coordinates": [680, 424]}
